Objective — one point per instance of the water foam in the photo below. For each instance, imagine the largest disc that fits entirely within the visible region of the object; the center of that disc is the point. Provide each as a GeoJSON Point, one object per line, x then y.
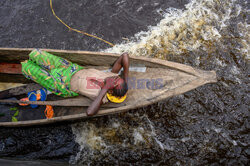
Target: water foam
{"type": "Point", "coordinates": [180, 31]}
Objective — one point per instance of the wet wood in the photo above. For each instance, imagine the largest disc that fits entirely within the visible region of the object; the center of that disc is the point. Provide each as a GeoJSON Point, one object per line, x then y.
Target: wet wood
{"type": "Point", "coordinates": [13, 78]}
{"type": "Point", "coordinates": [24, 89]}
{"type": "Point", "coordinates": [76, 102]}
{"type": "Point", "coordinates": [11, 68]}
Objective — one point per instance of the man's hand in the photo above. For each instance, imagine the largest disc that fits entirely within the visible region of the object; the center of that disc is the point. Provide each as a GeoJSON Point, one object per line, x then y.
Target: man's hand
{"type": "Point", "coordinates": [111, 82]}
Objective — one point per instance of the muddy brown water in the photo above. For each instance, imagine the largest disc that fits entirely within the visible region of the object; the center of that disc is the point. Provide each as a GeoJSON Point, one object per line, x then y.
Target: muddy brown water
{"type": "Point", "coordinates": [206, 126]}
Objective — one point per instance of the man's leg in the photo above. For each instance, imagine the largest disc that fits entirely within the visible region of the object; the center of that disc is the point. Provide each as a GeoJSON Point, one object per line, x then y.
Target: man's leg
{"type": "Point", "coordinates": [57, 70]}
{"type": "Point", "coordinates": [47, 60]}
{"type": "Point", "coordinates": [34, 72]}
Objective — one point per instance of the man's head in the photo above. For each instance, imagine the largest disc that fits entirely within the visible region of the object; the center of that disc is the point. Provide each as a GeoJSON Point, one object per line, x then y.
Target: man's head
{"type": "Point", "coordinates": [120, 89]}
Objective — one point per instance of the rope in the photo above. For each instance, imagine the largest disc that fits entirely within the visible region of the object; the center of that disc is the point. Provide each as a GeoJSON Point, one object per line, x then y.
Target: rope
{"type": "Point", "coordinates": [76, 30]}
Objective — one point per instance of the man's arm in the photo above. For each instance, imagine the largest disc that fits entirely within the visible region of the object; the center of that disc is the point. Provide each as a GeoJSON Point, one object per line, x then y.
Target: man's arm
{"type": "Point", "coordinates": [96, 104]}
{"type": "Point", "coordinates": [110, 83]}
{"type": "Point", "coordinates": [122, 61]}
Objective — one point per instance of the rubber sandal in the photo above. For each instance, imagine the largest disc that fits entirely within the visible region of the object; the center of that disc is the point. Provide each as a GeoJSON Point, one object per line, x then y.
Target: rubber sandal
{"type": "Point", "coordinates": [43, 93]}
{"type": "Point", "coordinates": [32, 96]}
{"type": "Point", "coordinates": [24, 99]}
{"type": "Point", "coordinates": [49, 112]}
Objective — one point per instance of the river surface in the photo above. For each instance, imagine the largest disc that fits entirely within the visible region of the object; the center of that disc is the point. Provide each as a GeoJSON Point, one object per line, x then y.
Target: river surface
{"type": "Point", "coordinates": [206, 126]}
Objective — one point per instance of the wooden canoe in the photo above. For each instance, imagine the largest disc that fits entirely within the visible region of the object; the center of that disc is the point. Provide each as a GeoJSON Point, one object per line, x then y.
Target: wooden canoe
{"type": "Point", "coordinates": [174, 79]}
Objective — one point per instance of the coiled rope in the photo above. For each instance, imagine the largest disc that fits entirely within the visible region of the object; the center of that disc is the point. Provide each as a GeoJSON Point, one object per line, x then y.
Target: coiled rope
{"type": "Point", "coordinates": [76, 30]}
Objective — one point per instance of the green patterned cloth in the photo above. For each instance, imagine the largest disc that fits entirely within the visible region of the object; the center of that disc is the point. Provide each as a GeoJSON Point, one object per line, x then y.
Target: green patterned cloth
{"type": "Point", "coordinates": [51, 72]}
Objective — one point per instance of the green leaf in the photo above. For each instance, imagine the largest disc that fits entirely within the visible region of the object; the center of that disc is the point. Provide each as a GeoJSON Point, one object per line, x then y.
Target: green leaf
{"type": "Point", "coordinates": [16, 114]}
{"type": "Point", "coordinates": [14, 119]}
{"type": "Point", "coordinates": [2, 114]}
{"type": "Point", "coordinates": [13, 109]}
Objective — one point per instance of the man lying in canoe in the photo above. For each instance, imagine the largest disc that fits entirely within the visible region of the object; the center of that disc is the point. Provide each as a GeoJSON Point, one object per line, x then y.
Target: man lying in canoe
{"type": "Point", "coordinates": [68, 79]}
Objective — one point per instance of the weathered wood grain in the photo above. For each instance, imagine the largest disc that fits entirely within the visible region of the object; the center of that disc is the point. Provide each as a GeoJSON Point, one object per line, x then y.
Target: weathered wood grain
{"type": "Point", "coordinates": [176, 79]}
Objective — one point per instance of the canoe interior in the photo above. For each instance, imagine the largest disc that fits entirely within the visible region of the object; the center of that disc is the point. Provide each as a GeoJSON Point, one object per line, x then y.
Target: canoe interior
{"type": "Point", "coordinates": [80, 57]}
{"type": "Point", "coordinates": [97, 60]}
{"type": "Point", "coordinates": [143, 86]}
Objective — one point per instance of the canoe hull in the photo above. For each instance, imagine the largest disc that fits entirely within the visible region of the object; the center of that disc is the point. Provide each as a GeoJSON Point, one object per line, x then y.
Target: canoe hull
{"type": "Point", "coordinates": [177, 79]}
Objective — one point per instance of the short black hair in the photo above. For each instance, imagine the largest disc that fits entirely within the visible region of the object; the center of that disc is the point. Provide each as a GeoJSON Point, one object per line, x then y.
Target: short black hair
{"type": "Point", "coordinates": [119, 92]}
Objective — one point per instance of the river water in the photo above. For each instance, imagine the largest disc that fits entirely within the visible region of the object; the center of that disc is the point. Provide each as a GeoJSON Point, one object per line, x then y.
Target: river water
{"type": "Point", "coordinates": [206, 126]}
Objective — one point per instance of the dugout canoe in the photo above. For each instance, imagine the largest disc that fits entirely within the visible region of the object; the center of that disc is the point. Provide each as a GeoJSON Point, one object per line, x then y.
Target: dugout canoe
{"type": "Point", "coordinates": [162, 79]}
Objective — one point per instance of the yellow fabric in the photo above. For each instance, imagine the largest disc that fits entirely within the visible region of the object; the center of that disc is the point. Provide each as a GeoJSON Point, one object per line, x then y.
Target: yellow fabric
{"type": "Point", "coordinates": [115, 99]}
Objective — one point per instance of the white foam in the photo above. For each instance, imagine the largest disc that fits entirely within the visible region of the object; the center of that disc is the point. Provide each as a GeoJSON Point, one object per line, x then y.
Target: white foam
{"type": "Point", "coordinates": [181, 30]}
{"type": "Point", "coordinates": [185, 139]}
{"type": "Point", "coordinates": [138, 138]}
{"type": "Point", "coordinates": [235, 70]}
{"type": "Point", "coordinates": [116, 125]}
{"type": "Point", "coordinates": [220, 63]}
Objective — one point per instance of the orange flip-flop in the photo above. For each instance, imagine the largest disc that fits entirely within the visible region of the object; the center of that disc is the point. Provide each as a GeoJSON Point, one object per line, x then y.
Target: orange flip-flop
{"type": "Point", "coordinates": [49, 112]}
{"type": "Point", "coordinates": [24, 99]}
